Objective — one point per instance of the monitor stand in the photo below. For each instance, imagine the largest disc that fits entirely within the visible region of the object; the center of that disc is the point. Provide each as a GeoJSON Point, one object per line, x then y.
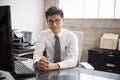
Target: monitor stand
{"type": "Point", "coordinates": [4, 75]}
{"type": "Point", "coordinates": [1, 75]}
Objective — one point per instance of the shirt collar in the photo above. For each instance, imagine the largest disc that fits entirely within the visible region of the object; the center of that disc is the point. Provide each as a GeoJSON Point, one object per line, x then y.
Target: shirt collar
{"type": "Point", "coordinates": [59, 34]}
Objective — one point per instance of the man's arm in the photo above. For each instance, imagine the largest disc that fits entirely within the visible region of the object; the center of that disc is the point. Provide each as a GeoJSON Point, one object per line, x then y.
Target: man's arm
{"type": "Point", "coordinates": [71, 57]}
{"type": "Point", "coordinates": [39, 48]}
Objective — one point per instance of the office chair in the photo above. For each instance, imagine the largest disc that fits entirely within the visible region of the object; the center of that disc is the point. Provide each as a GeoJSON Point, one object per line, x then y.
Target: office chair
{"type": "Point", "coordinates": [80, 42]}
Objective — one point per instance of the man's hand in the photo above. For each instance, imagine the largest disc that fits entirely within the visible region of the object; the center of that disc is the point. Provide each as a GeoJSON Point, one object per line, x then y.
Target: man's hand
{"type": "Point", "coordinates": [45, 65]}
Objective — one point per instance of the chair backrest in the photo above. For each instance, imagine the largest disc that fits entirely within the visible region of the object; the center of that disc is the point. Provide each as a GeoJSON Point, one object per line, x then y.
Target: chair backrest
{"type": "Point", "coordinates": [80, 43]}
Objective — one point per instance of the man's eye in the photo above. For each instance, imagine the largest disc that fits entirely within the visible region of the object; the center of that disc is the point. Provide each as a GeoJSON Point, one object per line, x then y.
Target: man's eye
{"type": "Point", "coordinates": [57, 20]}
{"type": "Point", "coordinates": [50, 21]}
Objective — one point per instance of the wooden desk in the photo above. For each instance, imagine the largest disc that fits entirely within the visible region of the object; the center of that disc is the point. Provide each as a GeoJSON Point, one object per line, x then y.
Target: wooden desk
{"type": "Point", "coordinates": [26, 52]}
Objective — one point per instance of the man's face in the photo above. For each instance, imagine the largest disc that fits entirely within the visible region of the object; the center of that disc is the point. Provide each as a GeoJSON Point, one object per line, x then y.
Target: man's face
{"type": "Point", "coordinates": [55, 23]}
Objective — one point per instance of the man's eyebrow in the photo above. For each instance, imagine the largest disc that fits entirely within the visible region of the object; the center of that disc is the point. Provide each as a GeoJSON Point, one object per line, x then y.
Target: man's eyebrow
{"type": "Point", "coordinates": [55, 19]}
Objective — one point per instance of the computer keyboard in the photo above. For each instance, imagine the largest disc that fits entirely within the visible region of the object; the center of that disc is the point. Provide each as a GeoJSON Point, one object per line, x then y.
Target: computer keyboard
{"type": "Point", "coordinates": [22, 69]}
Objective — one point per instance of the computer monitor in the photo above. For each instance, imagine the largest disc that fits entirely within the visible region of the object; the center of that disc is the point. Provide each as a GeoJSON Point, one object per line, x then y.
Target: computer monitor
{"type": "Point", "coordinates": [6, 51]}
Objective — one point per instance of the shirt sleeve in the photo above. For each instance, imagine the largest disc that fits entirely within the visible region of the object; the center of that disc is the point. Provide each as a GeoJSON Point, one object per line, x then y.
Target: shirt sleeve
{"type": "Point", "coordinates": [72, 53]}
{"type": "Point", "coordinates": [39, 48]}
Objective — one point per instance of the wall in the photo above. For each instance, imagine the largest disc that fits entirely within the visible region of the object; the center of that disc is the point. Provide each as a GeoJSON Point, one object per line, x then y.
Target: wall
{"type": "Point", "coordinates": [47, 4]}
{"type": "Point", "coordinates": [26, 15]}
{"type": "Point", "coordinates": [92, 28]}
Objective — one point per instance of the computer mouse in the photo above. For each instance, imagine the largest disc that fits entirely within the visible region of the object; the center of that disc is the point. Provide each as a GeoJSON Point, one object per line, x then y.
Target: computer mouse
{"type": "Point", "coordinates": [86, 65]}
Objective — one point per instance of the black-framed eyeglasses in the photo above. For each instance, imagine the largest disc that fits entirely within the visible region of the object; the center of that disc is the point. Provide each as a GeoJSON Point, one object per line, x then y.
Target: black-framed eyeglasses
{"type": "Point", "coordinates": [56, 21]}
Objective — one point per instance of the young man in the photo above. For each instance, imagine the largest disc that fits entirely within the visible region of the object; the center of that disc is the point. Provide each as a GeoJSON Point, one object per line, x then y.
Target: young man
{"type": "Point", "coordinates": [68, 43]}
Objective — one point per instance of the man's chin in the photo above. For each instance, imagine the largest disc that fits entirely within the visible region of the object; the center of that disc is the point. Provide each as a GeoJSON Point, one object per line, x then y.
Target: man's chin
{"type": "Point", "coordinates": [55, 31]}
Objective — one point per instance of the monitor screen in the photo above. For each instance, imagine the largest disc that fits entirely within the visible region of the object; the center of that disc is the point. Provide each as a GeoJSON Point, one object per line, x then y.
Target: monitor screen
{"type": "Point", "coordinates": [6, 54]}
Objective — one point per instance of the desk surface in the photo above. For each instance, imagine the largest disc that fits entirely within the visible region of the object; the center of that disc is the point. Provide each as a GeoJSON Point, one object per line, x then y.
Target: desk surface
{"type": "Point", "coordinates": [76, 74]}
{"type": "Point", "coordinates": [71, 74]}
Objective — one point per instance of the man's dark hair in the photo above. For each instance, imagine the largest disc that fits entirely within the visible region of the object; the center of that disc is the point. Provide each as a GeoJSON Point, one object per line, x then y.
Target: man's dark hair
{"type": "Point", "coordinates": [54, 10]}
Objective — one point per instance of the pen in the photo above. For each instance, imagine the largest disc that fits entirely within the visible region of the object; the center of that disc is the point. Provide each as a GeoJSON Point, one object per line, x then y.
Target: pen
{"type": "Point", "coordinates": [66, 47]}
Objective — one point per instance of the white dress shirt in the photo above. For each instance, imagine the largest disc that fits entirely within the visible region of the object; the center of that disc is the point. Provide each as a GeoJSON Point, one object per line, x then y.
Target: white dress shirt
{"type": "Point", "coordinates": [68, 44]}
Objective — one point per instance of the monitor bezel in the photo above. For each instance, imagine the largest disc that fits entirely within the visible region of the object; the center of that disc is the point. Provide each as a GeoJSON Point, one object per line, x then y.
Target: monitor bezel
{"type": "Point", "coordinates": [7, 60]}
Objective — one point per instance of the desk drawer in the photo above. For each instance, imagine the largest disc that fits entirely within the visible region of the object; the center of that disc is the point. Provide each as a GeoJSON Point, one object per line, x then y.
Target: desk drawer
{"type": "Point", "coordinates": [115, 68]}
{"type": "Point", "coordinates": [104, 60]}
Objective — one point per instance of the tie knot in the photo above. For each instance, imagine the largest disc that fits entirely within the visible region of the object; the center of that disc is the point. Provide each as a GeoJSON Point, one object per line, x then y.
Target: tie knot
{"type": "Point", "coordinates": [56, 37]}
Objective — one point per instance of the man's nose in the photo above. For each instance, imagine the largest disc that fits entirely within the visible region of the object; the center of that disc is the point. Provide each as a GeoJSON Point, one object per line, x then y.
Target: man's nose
{"type": "Point", "coordinates": [54, 24]}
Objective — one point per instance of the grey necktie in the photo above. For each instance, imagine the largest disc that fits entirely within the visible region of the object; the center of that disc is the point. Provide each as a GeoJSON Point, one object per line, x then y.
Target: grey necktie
{"type": "Point", "coordinates": [57, 50]}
